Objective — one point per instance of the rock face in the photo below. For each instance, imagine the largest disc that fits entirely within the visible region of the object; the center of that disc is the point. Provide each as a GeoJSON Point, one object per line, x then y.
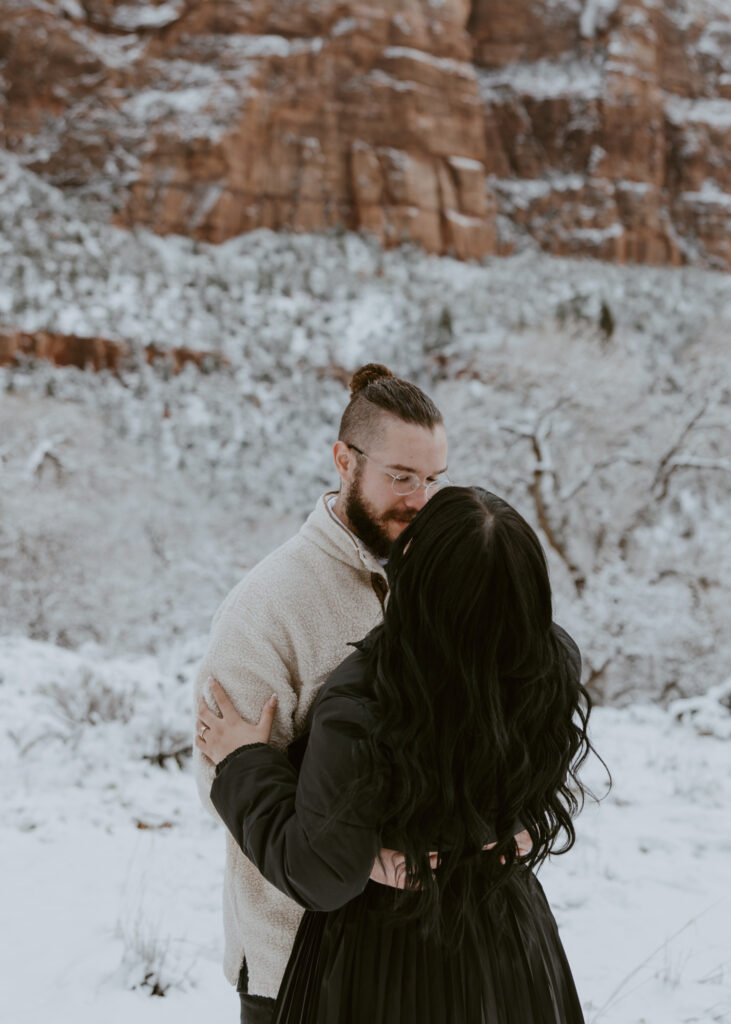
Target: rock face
{"type": "Point", "coordinates": [609, 125]}
{"type": "Point", "coordinates": [600, 127]}
{"type": "Point", "coordinates": [62, 349]}
{"type": "Point", "coordinates": [96, 353]}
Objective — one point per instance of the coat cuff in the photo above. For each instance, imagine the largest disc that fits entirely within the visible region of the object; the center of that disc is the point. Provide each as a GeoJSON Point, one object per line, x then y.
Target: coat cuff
{"type": "Point", "coordinates": [229, 757]}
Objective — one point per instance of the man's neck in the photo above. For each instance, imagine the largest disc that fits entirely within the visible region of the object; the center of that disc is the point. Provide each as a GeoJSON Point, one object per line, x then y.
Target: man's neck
{"type": "Point", "coordinates": [339, 510]}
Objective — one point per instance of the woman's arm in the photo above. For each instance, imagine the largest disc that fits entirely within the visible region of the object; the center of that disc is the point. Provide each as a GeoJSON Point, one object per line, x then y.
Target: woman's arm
{"type": "Point", "coordinates": [289, 826]}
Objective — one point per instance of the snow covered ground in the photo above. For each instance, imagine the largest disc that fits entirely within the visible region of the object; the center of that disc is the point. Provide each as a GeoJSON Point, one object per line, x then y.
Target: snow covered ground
{"type": "Point", "coordinates": [112, 870]}
{"type": "Point", "coordinates": [596, 398]}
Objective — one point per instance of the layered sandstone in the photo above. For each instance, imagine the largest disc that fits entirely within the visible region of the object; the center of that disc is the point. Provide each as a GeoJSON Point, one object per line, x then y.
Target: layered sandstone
{"type": "Point", "coordinates": [62, 349]}
{"type": "Point", "coordinates": [598, 127]}
{"type": "Point", "coordinates": [610, 132]}
{"type": "Point", "coordinates": [92, 353]}
{"type": "Point", "coordinates": [229, 117]}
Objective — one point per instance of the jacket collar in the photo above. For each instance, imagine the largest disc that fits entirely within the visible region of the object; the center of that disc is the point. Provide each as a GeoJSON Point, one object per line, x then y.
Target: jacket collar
{"type": "Point", "coordinates": [368, 640]}
{"type": "Point", "coordinates": [331, 537]}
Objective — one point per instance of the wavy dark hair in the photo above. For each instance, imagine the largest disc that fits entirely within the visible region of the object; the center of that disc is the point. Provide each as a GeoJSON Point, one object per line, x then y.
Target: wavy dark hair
{"type": "Point", "coordinates": [482, 718]}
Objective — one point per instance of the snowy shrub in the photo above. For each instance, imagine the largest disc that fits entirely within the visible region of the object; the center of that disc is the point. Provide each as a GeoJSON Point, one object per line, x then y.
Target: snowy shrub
{"type": "Point", "coordinates": [573, 313]}
{"type": "Point", "coordinates": [606, 320]}
{"type": "Point", "coordinates": [107, 711]}
{"type": "Point", "coordinates": [88, 700]}
{"type": "Point", "coordinates": [708, 714]}
{"type": "Point", "coordinates": [151, 958]}
{"type": "Point", "coordinates": [170, 744]}
{"type": "Point", "coordinates": [65, 707]}
{"type": "Point", "coordinates": [144, 961]}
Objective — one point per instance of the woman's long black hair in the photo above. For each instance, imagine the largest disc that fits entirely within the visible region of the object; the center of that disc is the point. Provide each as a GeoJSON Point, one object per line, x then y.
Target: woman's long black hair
{"type": "Point", "coordinates": [481, 723]}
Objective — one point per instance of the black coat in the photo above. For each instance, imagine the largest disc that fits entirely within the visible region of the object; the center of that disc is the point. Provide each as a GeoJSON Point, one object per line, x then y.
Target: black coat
{"type": "Point", "coordinates": [287, 821]}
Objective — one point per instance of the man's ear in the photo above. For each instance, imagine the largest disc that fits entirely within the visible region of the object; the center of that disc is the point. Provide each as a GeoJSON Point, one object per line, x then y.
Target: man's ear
{"type": "Point", "coordinates": [344, 459]}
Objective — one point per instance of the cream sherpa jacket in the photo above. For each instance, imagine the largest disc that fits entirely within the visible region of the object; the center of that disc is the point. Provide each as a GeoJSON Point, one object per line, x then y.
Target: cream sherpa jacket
{"type": "Point", "coordinates": [282, 630]}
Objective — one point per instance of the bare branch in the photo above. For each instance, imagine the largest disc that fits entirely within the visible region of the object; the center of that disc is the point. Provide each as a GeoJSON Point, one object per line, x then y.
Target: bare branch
{"type": "Point", "coordinates": [614, 995]}
{"type": "Point", "coordinates": [544, 487]}
{"type": "Point", "coordinates": [664, 470]}
{"type": "Point", "coordinates": [517, 431]}
{"type": "Point", "coordinates": [611, 460]}
{"type": "Point", "coordinates": [693, 462]}
{"type": "Point", "coordinates": [690, 462]}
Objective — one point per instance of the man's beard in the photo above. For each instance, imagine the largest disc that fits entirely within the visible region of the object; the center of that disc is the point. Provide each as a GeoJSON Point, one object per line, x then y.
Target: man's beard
{"type": "Point", "coordinates": [366, 525]}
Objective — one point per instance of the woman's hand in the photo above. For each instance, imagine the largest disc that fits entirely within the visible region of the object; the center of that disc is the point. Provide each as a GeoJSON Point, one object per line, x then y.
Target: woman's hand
{"type": "Point", "coordinates": [390, 868]}
{"type": "Point", "coordinates": [218, 735]}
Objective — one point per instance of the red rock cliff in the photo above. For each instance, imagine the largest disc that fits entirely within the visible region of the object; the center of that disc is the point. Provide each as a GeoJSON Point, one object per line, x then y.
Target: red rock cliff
{"type": "Point", "coordinates": [596, 127]}
{"type": "Point", "coordinates": [609, 124]}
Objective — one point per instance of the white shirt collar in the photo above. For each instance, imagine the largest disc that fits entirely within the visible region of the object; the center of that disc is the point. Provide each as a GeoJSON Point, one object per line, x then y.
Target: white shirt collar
{"type": "Point", "coordinates": [331, 508]}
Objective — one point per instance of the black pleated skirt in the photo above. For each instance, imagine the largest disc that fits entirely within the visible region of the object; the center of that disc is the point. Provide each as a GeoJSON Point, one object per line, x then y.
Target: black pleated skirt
{"type": "Point", "coordinates": [359, 965]}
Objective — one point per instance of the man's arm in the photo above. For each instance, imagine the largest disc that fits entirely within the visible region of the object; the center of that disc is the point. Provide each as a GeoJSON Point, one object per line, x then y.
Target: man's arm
{"type": "Point", "coordinates": [248, 654]}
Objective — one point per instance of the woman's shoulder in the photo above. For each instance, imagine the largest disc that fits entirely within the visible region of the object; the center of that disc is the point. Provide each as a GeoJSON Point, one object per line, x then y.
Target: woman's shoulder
{"type": "Point", "coordinates": [347, 693]}
{"type": "Point", "coordinates": [342, 706]}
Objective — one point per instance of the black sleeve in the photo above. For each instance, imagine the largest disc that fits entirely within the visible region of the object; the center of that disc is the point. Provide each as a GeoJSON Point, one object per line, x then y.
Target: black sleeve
{"type": "Point", "coordinates": [292, 828]}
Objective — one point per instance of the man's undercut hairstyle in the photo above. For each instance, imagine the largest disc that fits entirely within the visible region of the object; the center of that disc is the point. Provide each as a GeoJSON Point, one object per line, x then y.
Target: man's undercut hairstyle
{"type": "Point", "coordinates": [374, 390]}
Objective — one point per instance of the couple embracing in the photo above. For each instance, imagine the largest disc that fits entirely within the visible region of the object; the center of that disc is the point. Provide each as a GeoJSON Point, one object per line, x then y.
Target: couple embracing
{"type": "Point", "coordinates": [389, 725]}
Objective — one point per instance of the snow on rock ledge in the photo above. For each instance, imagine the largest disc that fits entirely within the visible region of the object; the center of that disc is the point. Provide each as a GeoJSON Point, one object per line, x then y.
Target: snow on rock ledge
{"type": "Point", "coordinates": [214, 120]}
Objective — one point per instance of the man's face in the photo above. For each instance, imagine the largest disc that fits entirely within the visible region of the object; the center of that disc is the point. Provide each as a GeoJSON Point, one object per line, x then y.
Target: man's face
{"type": "Point", "coordinates": [376, 513]}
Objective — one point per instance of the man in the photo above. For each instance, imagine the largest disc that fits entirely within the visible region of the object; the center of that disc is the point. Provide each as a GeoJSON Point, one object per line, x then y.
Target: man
{"type": "Point", "coordinates": [286, 626]}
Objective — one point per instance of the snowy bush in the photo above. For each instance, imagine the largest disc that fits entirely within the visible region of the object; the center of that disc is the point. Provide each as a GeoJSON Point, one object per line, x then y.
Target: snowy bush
{"type": "Point", "coordinates": [151, 955]}
{"type": "Point", "coordinates": [108, 711]}
{"type": "Point", "coordinates": [145, 957]}
{"type": "Point", "coordinates": [88, 700]}
{"type": "Point", "coordinates": [170, 744]}
{"type": "Point", "coordinates": [709, 714]}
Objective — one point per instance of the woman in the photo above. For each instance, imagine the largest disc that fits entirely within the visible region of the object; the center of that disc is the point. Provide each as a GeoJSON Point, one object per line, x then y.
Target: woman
{"type": "Point", "coordinates": [458, 721]}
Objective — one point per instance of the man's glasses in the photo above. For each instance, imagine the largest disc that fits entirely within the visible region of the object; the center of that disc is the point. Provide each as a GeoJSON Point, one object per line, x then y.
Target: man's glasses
{"type": "Point", "coordinates": [406, 483]}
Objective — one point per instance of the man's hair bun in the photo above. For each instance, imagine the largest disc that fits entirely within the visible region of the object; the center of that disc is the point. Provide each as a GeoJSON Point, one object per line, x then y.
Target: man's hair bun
{"type": "Point", "coordinates": [375, 391]}
{"type": "Point", "coordinates": [367, 375]}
